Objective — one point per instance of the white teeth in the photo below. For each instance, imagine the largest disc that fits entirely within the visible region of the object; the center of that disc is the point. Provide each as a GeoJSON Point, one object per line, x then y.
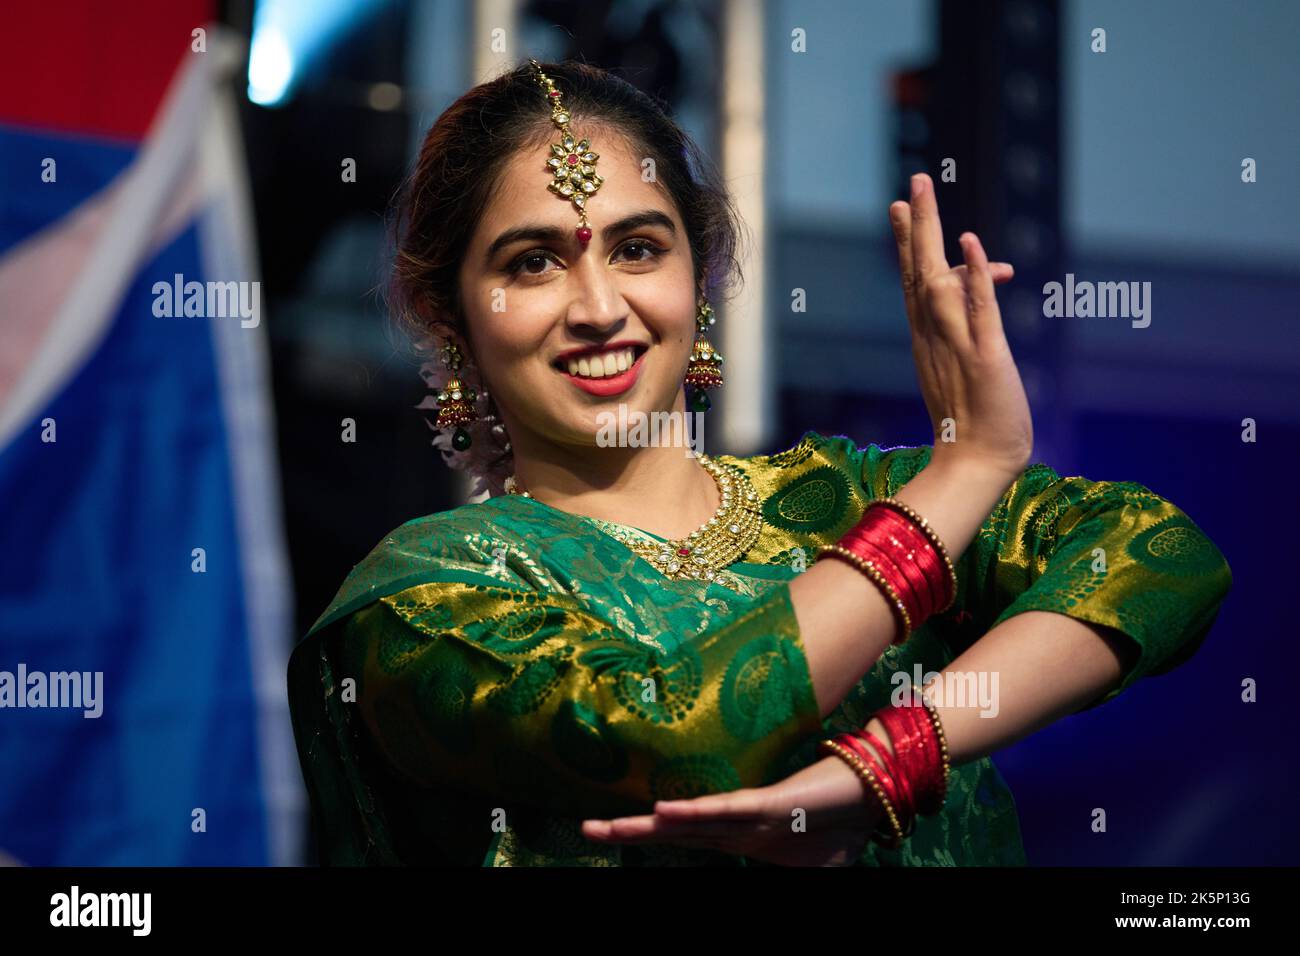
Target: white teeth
{"type": "Point", "coordinates": [601, 366]}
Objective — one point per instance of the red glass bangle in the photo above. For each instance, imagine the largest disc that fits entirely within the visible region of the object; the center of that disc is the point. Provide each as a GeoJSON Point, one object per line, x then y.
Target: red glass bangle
{"type": "Point", "coordinates": [886, 778]}
{"type": "Point", "coordinates": [903, 550]}
{"type": "Point", "coordinates": [872, 536]}
{"type": "Point", "coordinates": [912, 752]}
{"type": "Point", "coordinates": [903, 586]}
{"type": "Point", "coordinates": [935, 738]}
{"type": "Point", "coordinates": [868, 549]}
{"type": "Point", "coordinates": [916, 745]}
{"type": "Point", "coordinates": [919, 552]}
{"type": "Point", "coordinates": [921, 756]}
{"type": "Point", "coordinates": [948, 572]}
{"type": "Point", "coordinates": [904, 556]}
{"type": "Point", "coordinates": [906, 803]}
{"type": "Point", "coordinates": [888, 831]}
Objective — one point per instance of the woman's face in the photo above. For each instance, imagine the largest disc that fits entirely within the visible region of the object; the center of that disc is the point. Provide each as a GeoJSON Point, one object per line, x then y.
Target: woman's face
{"type": "Point", "coordinates": [535, 299]}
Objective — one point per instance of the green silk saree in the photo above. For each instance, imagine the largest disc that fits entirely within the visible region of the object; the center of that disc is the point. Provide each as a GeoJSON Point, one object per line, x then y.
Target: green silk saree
{"type": "Point", "coordinates": [478, 685]}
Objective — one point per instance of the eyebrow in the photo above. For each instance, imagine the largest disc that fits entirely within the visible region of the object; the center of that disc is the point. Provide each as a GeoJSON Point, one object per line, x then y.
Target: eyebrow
{"type": "Point", "coordinates": [557, 234]}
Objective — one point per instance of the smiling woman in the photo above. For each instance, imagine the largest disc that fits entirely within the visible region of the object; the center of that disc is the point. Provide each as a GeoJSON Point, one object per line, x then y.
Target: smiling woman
{"type": "Point", "coordinates": [531, 309]}
{"type": "Point", "coordinates": [489, 257]}
{"type": "Point", "coordinates": [628, 656]}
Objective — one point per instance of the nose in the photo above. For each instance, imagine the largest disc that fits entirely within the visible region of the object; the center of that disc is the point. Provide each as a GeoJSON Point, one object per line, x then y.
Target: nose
{"type": "Point", "coordinates": [597, 305]}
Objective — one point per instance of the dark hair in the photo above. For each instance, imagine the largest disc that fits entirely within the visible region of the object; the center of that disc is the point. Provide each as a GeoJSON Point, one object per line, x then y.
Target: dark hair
{"type": "Point", "coordinates": [465, 150]}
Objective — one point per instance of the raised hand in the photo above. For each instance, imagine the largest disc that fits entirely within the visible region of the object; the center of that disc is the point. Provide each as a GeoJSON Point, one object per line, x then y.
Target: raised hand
{"type": "Point", "coordinates": [963, 362]}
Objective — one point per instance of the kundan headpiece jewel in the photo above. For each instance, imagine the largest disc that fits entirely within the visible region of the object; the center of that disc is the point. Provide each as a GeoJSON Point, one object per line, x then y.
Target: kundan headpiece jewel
{"type": "Point", "coordinates": [572, 163]}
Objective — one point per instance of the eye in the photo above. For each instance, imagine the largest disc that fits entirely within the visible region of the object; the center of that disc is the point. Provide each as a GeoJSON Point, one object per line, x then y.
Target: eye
{"type": "Point", "coordinates": [650, 250]}
{"type": "Point", "coordinates": [528, 263]}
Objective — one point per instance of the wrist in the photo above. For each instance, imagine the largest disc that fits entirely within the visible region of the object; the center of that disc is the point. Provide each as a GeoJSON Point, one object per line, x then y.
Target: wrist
{"type": "Point", "coordinates": [976, 478]}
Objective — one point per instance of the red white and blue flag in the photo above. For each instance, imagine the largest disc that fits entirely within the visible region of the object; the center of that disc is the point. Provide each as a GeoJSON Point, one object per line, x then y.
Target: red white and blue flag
{"type": "Point", "coordinates": [144, 599]}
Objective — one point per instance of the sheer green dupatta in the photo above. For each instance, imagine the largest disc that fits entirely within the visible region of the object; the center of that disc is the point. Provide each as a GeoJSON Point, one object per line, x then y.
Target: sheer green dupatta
{"type": "Point", "coordinates": [525, 683]}
{"type": "Point", "coordinates": [350, 828]}
{"type": "Point", "coordinates": [348, 784]}
{"type": "Point", "coordinates": [1161, 586]}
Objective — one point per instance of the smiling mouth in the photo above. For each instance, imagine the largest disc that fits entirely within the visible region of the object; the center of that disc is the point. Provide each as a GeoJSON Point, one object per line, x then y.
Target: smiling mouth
{"type": "Point", "coordinates": [601, 365]}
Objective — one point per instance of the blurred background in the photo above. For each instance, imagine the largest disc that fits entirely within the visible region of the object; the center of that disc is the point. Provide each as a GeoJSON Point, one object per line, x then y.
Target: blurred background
{"type": "Point", "coordinates": [1100, 139]}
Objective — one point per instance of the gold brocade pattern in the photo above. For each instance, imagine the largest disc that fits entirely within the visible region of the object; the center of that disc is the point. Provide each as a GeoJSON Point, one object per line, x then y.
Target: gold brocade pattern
{"type": "Point", "coordinates": [518, 668]}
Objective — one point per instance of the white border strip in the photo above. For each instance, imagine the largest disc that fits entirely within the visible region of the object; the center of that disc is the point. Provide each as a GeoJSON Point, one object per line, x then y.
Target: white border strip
{"type": "Point", "coordinates": [228, 249]}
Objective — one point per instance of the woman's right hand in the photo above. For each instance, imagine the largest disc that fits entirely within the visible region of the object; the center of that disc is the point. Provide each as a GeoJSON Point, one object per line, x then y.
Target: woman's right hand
{"type": "Point", "coordinates": [963, 361]}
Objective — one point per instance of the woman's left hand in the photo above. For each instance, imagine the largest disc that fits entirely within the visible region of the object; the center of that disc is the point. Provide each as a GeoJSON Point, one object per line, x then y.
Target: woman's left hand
{"type": "Point", "coordinates": [765, 823]}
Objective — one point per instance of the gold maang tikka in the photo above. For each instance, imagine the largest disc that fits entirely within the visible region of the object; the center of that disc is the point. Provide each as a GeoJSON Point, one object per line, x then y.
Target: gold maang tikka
{"type": "Point", "coordinates": [573, 164]}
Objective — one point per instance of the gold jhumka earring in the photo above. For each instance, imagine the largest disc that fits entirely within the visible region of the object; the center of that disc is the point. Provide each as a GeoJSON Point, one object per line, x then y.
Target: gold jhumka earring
{"type": "Point", "coordinates": [705, 368]}
{"type": "Point", "coordinates": [455, 401]}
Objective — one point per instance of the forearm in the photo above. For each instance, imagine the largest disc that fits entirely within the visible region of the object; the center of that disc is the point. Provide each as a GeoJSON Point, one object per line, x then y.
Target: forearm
{"type": "Point", "coordinates": [844, 620]}
{"type": "Point", "coordinates": [1038, 667]}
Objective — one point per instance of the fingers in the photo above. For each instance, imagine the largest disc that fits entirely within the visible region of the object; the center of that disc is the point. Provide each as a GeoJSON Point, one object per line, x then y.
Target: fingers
{"type": "Point", "coordinates": [927, 231]}
{"type": "Point", "coordinates": [715, 815]}
{"type": "Point", "coordinates": [957, 300]}
{"type": "Point", "coordinates": [733, 805]}
{"type": "Point", "coordinates": [900, 218]}
{"type": "Point", "coordinates": [1002, 272]}
{"type": "Point", "coordinates": [656, 829]}
{"type": "Point", "coordinates": [985, 320]}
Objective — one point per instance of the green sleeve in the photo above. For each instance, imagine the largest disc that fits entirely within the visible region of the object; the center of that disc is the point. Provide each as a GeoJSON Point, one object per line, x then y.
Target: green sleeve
{"type": "Point", "coordinates": [1111, 553]}
{"type": "Point", "coordinates": [531, 697]}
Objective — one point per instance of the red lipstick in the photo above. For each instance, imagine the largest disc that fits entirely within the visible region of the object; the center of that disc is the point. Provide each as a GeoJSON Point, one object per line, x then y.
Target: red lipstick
{"type": "Point", "coordinates": [610, 384]}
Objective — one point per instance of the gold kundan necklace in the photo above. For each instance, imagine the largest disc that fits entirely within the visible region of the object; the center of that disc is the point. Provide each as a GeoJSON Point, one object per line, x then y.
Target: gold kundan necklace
{"type": "Point", "coordinates": [721, 540]}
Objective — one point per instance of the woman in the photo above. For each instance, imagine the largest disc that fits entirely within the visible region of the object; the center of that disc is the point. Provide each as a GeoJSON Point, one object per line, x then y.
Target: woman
{"type": "Point", "coordinates": [630, 655]}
